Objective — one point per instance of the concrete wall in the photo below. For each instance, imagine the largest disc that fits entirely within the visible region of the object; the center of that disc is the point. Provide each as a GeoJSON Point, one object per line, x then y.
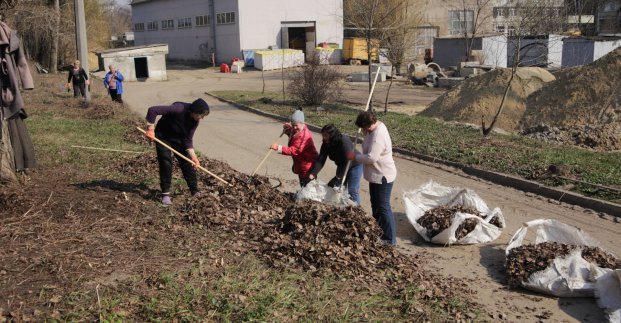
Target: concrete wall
{"type": "Point", "coordinates": [228, 35]}
{"type": "Point", "coordinates": [123, 60]}
{"type": "Point", "coordinates": [269, 14]}
{"type": "Point", "coordinates": [451, 51]}
{"type": "Point", "coordinates": [185, 43]}
{"type": "Point", "coordinates": [602, 48]}
{"type": "Point", "coordinates": [495, 50]}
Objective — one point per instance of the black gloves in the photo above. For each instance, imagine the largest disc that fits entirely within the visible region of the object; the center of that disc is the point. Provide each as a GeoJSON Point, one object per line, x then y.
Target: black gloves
{"type": "Point", "coordinates": [334, 182]}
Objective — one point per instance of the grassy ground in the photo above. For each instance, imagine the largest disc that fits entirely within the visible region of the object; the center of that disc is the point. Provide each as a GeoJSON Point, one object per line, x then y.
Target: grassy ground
{"type": "Point", "coordinates": [510, 154]}
{"type": "Point", "coordinates": [86, 241]}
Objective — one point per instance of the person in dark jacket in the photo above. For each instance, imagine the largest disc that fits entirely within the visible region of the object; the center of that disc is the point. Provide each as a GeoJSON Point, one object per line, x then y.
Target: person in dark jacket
{"type": "Point", "coordinates": [79, 79]}
{"type": "Point", "coordinates": [176, 128]}
{"type": "Point", "coordinates": [336, 146]}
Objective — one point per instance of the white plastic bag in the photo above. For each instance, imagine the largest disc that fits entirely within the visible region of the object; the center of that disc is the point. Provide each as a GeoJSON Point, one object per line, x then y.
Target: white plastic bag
{"type": "Point", "coordinates": [319, 191]}
{"type": "Point", "coordinates": [569, 276]}
{"type": "Point", "coordinates": [608, 293]}
{"type": "Point", "coordinates": [432, 194]}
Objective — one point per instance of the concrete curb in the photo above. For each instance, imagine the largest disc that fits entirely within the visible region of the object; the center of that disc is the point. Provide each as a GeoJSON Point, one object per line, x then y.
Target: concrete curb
{"type": "Point", "coordinates": [494, 177]}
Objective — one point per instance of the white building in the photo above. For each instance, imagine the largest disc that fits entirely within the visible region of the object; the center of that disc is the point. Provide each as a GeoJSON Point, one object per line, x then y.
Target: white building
{"type": "Point", "coordinates": [196, 29]}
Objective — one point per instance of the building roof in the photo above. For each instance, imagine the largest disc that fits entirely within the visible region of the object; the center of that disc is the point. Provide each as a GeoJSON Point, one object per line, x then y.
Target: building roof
{"type": "Point", "coordinates": [124, 49]}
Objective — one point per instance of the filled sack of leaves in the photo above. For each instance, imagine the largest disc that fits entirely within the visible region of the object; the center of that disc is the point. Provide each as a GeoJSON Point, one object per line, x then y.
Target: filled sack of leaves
{"type": "Point", "coordinates": [448, 215]}
{"type": "Point", "coordinates": [554, 258]}
{"type": "Point", "coordinates": [608, 293]}
{"type": "Point", "coordinates": [319, 191]}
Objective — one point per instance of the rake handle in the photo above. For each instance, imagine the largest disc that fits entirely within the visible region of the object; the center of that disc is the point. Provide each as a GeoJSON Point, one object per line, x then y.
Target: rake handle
{"type": "Point", "coordinates": [186, 158]}
{"type": "Point", "coordinates": [359, 129]}
{"type": "Point", "coordinates": [266, 155]}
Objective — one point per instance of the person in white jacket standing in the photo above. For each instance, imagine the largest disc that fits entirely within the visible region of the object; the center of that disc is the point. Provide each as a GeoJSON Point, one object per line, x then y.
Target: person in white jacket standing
{"type": "Point", "coordinates": [379, 170]}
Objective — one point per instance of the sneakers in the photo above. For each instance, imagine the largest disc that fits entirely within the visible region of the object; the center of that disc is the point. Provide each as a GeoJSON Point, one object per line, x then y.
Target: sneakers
{"type": "Point", "coordinates": [166, 201]}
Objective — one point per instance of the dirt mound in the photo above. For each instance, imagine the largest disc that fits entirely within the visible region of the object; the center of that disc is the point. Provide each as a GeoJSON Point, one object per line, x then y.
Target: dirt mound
{"type": "Point", "coordinates": [589, 94]}
{"type": "Point", "coordinates": [601, 137]}
{"type": "Point", "coordinates": [525, 260]}
{"type": "Point", "coordinates": [481, 96]}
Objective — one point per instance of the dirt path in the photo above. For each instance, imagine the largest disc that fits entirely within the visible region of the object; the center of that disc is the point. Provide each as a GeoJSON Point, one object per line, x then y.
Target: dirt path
{"type": "Point", "coordinates": [241, 139]}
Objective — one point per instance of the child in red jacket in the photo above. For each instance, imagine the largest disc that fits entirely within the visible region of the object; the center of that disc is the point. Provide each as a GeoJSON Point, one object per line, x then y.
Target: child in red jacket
{"type": "Point", "coordinates": [301, 146]}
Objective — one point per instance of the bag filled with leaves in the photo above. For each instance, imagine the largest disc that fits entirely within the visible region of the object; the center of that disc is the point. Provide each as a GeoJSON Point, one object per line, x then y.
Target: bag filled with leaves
{"type": "Point", "coordinates": [448, 215]}
{"type": "Point", "coordinates": [554, 258]}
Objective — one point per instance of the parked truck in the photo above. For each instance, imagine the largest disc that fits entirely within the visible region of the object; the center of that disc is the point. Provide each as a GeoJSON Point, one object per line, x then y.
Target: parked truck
{"type": "Point", "coordinates": [355, 50]}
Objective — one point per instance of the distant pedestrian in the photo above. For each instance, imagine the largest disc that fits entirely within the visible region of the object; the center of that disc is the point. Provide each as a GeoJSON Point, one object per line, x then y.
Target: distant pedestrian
{"type": "Point", "coordinates": [336, 146]}
{"type": "Point", "coordinates": [79, 79]}
{"type": "Point", "coordinates": [113, 81]}
{"type": "Point", "coordinates": [379, 170]}
{"type": "Point", "coordinates": [176, 128]}
{"type": "Point", "coordinates": [301, 146]}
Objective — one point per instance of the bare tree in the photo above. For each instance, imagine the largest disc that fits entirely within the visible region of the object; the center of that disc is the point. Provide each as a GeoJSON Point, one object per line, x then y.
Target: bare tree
{"type": "Point", "coordinates": [470, 19]}
{"type": "Point", "coordinates": [399, 40]}
{"type": "Point", "coordinates": [533, 17]}
{"type": "Point", "coordinates": [314, 83]}
{"type": "Point", "coordinates": [371, 19]}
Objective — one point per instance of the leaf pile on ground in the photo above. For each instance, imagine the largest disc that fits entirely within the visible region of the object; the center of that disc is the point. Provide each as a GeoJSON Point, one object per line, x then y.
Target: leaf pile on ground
{"type": "Point", "coordinates": [523, 261]}
{"type": "Point", "coordinates": [441, 217]}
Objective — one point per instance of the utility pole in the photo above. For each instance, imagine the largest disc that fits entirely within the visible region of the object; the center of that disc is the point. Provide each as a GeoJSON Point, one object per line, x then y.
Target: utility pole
{"type": "Point", "coordinates": [80, 39]}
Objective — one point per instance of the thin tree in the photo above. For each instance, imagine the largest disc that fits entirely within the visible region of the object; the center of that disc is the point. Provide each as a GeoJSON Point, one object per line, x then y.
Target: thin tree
{"type": "Point", "coordinates": [533, 17]}
{"type": "Point", "coordinates": [473, 19]}
{"type": "Point", "coordinates": [371, 19]}
{"type": "Point", "coordinates": [400, 40]}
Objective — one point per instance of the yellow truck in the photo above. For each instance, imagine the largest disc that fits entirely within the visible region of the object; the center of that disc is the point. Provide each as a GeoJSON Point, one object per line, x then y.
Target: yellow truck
{"type": "Point", "coordinates": [355, 50]}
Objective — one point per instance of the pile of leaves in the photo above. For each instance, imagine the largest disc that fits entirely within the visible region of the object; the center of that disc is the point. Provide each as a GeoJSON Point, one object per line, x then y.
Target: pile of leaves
{"type": "Point", "coordinates": [440, 218]}
{"type": "Point", "coordinates": [525, 260]}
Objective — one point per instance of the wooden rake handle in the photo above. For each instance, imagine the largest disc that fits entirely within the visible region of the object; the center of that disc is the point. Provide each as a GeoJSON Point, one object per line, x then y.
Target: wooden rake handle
{"type": "Point", "coordinates": [269, 150]}
{"type": "Point", "coordinates": [366, 108]}
{"type": "Point", "coordinates": [186, 158]}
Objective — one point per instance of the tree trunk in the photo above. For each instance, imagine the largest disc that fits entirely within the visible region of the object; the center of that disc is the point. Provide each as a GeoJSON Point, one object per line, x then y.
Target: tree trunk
{"type": "Point", "coordinates": [55, 36]}
{"type": "Point", "coordinates": [7, 161]}
{"type": "Point", "coordinates": [388, 91]}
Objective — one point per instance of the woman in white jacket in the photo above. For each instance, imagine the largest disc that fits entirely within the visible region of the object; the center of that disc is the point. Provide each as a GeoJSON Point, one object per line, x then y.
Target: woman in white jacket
{"type": "Point", "coordinates": [379, 170]}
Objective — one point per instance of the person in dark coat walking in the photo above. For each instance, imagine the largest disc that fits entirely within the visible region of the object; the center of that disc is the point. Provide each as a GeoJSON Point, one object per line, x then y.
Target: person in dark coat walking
{"type": "Point", "coordinates": [176, 128]}
{"type": "Point", "coordinates": [79, 78]}
{"type": "Point", "coordinates": [336, 146]}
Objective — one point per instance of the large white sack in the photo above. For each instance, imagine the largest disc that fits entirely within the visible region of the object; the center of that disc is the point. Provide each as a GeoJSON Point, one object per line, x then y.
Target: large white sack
{"type": "Point", "coordinates": [319, 191]}
{"type": "Point", "coordinates": [569, 276]}
{"type": "Point", "coordinates": [432, 194]}
{"type": "Point", "coordinates": [608, 293]}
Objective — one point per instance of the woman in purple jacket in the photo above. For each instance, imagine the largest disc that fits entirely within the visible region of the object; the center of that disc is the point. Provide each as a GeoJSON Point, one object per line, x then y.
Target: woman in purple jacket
{"type": "Point", "coordinates": [176, 128]}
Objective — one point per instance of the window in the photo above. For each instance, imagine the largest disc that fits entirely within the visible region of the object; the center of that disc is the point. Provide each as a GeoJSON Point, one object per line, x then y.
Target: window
{"type": "Point", "coordinates": [139, 26]}
{"type": "Point", "coordinates": [225, 18]}
{"type": "Point", "coordinates": [500, 29]}
{"type": "Point", "coordinates": [512, 12]}
{"type": "Point", "coordinates": [461, 21]}
{"type": "Point", "coordinates": [168, 24]}
{"type": "Point", "coordinates": [499, 12]}
{"type": "Point", "coordinates": [152, 25]}
{"type": "Point", "coordinates": [184, 22]}
{"type": "Point", "coordinates": [511, 31]}
{"type": "Point", "coordinates": [202, 20]}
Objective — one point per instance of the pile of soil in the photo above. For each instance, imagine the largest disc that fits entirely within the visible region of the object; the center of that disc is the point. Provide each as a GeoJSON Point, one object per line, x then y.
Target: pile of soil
{"type": "Point", "coordinates": [589, 94]}
{"type": "Point", "coordinates": [525, 260]}
{"type": "Point", "coordinates": [480, 96]}
{"type": "Point", "coordinates": [603, 137]}
{"type": "Point", "coordinates": [440, 218]}
{"type": "Point", "coordinates": [583, 107]}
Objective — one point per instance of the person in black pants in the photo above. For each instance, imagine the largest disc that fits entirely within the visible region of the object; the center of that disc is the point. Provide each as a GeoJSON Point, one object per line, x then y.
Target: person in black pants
{"type": "Point", "coordinates": [80, 80]}
{"type": "Point", "coordinates": [176, 128]}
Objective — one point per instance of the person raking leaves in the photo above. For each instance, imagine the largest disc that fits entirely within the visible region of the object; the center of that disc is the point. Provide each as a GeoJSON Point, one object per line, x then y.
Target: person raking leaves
{"type": "Point", "coordinates": [336, 146]}
{"type": "Point", "coordinates": [301, 146]}
{"type": "Point", "coordinates": [176, 128]}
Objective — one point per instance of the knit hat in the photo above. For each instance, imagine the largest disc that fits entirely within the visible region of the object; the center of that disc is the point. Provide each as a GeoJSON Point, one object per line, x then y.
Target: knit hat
{"type": "Point", "coordinates": [297, 116]}
{"type": "Point", "coordinates": [199, 107]}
